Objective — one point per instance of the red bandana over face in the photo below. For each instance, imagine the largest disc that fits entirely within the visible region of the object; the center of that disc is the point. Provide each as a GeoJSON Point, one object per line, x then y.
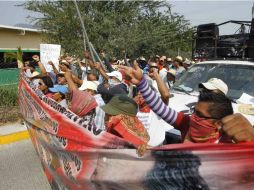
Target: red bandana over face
{"type": "Point", "coordinates": [202, 131]}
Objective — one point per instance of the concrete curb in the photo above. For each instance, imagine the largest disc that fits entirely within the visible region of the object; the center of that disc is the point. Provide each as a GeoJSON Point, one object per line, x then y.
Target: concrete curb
{"type": "Point", "coordinates": [13, 137]}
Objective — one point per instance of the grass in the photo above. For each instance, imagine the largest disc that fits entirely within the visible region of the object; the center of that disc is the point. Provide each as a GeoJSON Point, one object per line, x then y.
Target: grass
{"type": "Point", "coordinates": [9, 110]}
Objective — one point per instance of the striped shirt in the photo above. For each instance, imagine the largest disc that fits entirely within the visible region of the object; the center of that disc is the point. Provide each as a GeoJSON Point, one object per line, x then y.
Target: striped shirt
{"type": "Point", "coordinates": [156, 104]}
{"type": "Point", "coordinates": [177, 119]}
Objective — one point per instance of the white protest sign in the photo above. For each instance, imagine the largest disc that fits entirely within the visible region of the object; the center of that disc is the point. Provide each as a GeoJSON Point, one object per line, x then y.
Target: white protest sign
{"type": "Point", "coordinates": [49, 52]}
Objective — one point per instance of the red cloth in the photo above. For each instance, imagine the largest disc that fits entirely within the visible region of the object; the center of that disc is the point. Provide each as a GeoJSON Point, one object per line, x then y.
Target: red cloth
{"type": "Point", "coordinates": [143, 107]}
{"type": "Point", "coordinates": [183, 124]}
{"type": "Point", "coordinates": [49, 95]}
{"type": "Point", "coordinates": [202, 131]}
{"type": "Point", "coordinates": [82, 102]}
{"type": "Point", "coordinates": [129, 128]}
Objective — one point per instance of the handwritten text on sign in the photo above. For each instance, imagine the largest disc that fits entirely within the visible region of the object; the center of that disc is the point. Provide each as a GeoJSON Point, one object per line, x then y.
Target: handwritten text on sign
{"type": "Point", "coordinates": [50, 52]}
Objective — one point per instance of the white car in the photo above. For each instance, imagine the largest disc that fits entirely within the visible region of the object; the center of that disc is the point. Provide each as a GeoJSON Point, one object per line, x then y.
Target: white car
{"type": "Point", "coordinates": [238, 75]}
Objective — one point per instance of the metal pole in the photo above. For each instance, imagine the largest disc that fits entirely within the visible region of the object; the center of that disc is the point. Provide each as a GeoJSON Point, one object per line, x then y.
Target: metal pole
{"type": "Point", "coordinates": [97, 56]}
{"type": "Point", "coordinates": [91, 51]}
{"type": "Point", "coordinates": [85, 37]}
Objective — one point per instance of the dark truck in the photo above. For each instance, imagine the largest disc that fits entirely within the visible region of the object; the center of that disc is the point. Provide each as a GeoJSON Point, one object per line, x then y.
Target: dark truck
{"type": "Point", "coordinates": [209, 44]}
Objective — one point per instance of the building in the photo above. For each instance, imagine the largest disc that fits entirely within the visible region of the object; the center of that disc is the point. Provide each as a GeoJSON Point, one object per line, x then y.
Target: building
{"type": "Point", "coordinates": [13, 37]}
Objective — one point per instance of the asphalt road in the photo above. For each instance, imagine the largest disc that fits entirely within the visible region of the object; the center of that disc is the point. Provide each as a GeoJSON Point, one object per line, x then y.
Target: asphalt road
{"type": "Point", "coordinates": [20, 168]}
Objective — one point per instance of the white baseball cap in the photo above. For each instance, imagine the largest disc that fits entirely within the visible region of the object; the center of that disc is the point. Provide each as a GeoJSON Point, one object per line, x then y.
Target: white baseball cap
{"type": "Point", "coordinates": [215, 84]}
{"type": "Point", "coordinates": [91, 85]}
{"type": "Point", "coordinates": [116, 74]}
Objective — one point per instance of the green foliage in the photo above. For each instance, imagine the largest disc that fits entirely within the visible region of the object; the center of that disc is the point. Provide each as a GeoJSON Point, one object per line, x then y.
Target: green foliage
{"type": "Point", "coordinates": [8, 95]}
{"type": "Point", "coordinates": [139, 27]}
{"type": "Point", "coordinates": [9, 110]}
{"type": "Point", "coordinates": [19, 54]}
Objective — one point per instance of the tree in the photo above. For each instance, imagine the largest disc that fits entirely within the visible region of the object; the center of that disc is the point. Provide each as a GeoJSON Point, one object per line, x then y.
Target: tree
{"type": "Point", "coordinates": [139, 27]}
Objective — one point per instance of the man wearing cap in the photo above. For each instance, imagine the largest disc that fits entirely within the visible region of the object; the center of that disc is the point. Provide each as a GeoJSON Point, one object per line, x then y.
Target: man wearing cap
{"type": "Point", "coordinates": [161, 62]}
{"type": "Point", "coordinates": [171, 76]}
{"type": "Point", "coordinates": [157, 59]}
{"type": "Point", "coordinates": [83, 67]}
{"type": "Point", "coordinates": [169, 61]}
{"type": "Point", "coordinates": [178, 66]}
{"type": "Point", "coordinates": [59, 93]}
{"type": "Point", "coordinates": [121, 120]}
{"type": "Point", "coordinates": [91, 88]}
{"type": "Point", "coordinates": [203, 126]}
{"type": "Point", "coordinates": [153, 68]}
{"type": "Point", "coordinates": [215, 85]}
{"type": "Point", "coordinates": [113, 84]}
{"type": "Point", "coordinates": [186, 64]}
{"type": "Point", "coordinates": [163, 69]}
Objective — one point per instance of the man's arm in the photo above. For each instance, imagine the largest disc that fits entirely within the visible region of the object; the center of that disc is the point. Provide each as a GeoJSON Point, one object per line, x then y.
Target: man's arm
{"type": "Point", "coordinates": [101, 71]}
{"type": "Point", "coordinates": [151, 98]}
{"type": "Point", "coordinates": [54, 67]}
{"type": "Point", "coordinates": [106, 62]}
{"type": "Point", "coordinates": [156, 103]}
{"type": "Point", "coordinates": [68, 76]}
{"type": "Point", "coordinates": [42, 68]}
{"type": "Point", "coordinates": [77, 80]}
{"type": "Point", "coordinates": [164, 91]}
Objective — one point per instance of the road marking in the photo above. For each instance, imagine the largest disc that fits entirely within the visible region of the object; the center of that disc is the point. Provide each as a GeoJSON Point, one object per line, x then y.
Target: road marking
{"type": "Point", "coordinates": [13, 137]}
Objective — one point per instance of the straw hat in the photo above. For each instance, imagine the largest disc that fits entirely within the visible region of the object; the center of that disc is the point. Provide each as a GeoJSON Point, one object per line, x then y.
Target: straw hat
{"type": "Point", "coordinates": [179, 59]}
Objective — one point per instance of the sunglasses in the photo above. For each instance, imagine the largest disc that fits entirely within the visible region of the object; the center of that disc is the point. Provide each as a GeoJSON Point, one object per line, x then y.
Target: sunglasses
{"type": "Point", "coordinates": [197, 113]}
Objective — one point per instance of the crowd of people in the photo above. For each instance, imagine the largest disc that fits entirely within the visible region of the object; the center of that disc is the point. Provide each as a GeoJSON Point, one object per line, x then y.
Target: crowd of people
{"type": "Point", "coordinates": [130, 99]}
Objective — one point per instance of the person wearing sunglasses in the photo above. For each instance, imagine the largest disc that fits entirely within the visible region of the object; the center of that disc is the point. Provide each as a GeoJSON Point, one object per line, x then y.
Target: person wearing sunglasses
{"type": "Point", "coordinates": [44, 84]}
{"type": "Point", "coordinates": [212, 116]}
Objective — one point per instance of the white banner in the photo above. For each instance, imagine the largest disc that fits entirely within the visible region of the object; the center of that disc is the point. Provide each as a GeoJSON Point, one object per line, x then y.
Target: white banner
{"type": "Point", "coordinates": [50, 52]}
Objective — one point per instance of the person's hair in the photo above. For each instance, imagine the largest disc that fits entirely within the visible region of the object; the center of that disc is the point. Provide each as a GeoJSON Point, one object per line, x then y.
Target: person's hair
{"type": "Point", "coordinates": [47, 81]}
{"type": "Point", "coordinates": [62, 95]}
{"type": "Point", "coordinates": [60, 75]}
{"type": "Point", "coordinates": [66, 64]}
{"type": "Point", "coordinates": [31, 64]}
{"type": "Point", "coordinates": [153, 59]}
{"type": "Point", "coordinates": [220, 105]}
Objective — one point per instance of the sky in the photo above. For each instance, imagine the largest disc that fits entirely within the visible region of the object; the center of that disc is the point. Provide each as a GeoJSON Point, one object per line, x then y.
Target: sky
{"type": "Point", "coordinates": [197, 12]}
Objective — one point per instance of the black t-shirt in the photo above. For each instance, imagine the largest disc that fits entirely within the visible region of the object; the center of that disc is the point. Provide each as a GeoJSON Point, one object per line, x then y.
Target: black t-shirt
{"type": "Point", "coordinates": [108, 93]}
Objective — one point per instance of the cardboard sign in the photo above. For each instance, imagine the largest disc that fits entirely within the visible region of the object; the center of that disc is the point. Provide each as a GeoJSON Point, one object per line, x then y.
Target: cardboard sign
{"type": "Point", "coordinates": [49, 52]}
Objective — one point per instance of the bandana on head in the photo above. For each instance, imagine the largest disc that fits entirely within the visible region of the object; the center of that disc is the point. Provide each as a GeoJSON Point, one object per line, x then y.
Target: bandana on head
{"type": "Point", "coordinates": [82, 102]}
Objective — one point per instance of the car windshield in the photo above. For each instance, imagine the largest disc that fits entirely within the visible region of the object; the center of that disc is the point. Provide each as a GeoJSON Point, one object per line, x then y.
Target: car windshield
{"type": "Point", "coordinates": [239, 78]}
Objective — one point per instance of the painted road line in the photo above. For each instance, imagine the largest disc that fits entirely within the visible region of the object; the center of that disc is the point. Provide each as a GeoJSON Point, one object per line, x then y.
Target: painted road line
{"type": "Point", "coordinates": [13, 137]}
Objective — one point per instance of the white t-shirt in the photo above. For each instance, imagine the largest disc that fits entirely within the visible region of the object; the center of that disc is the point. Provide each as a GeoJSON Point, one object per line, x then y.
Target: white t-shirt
{"type": "Point", "coordinates": [163, 74]}
{"type": "Point", "coordinates": [155, 126]}
{"type": "Point", "coordinates": [84, 74]}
